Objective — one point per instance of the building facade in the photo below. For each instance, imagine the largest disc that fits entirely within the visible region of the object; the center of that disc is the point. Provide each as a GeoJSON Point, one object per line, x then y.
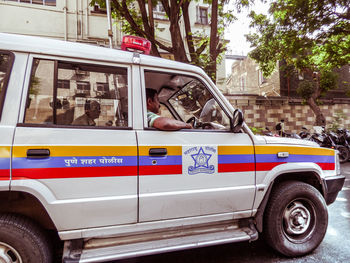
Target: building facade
{"type": "Point", "coordinates": [247, 78]}
{"type": "Point", "coordinates": [79, 21]}
{"type": "Point", "coordinates": [59, 19]}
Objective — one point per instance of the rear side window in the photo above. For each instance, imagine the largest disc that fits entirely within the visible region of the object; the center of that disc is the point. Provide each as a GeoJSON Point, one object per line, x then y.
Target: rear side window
{"type": "Point", "coordinates": [63, 93]}
{"type": "Point", "coordinates": [6, 61]}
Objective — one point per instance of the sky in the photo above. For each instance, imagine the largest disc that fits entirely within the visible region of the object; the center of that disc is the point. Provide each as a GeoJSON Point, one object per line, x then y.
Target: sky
{"type": "Point", "coordinates": [236, 31]}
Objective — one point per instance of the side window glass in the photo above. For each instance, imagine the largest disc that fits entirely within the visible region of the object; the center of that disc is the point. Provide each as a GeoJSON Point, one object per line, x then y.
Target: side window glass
{"type": "Point", "coordinates": [6, 61]}
{"type": "Point", "coordinates": [63, 93]}
{"type": "Point", "coordinates": [187, 98]}
{"type": "Point", "coordinates": [195, 100]}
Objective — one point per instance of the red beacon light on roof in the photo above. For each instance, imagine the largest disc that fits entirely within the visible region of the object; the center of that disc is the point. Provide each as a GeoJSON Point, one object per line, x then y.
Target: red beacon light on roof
{"type": "Point", "coordinates": [138, 44]}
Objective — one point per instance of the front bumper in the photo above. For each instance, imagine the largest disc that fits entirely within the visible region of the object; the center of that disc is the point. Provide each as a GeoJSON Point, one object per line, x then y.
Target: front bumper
{"type": "Point", "coordinates": [332, 187]}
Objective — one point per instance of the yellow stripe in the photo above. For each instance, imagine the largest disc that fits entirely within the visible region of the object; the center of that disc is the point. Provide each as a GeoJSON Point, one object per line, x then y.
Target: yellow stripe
{"type": "Point", "coordinates": [56, 151]}
{"type": "Point", "coordinates": [235, 150]}
{"type": "Point", "coordinates": [293, 150]}
{"type": "Point", "coordinates": [5, 151]}
{"type": "Point", "coordinates": [171, 150]}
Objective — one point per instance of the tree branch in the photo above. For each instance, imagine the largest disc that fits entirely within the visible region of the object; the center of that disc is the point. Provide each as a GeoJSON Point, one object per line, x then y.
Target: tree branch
{"type": "Point", "coordinates": [123, 9]}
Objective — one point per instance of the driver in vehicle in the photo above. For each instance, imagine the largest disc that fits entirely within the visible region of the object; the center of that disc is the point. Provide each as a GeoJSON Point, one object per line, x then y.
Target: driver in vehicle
{"type": "Point", "coordinates": [158, 122]}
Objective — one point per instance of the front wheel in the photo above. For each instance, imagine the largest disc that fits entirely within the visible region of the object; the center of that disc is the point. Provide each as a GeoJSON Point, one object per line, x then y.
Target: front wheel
{"type": "Point", "coordinates": [296, 218]}
{"type": "Point", "coordinates": [22, 241]}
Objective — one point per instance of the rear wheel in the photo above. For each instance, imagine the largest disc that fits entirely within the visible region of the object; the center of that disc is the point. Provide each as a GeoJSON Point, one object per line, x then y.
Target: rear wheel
{"type": "Point", "coordinates": [22, 241]}
{"type": "Point", "coordinates": [296, 218]}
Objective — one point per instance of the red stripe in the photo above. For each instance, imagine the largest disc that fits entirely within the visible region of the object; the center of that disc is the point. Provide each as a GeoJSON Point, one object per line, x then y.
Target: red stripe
{"type": "Point", "coordinates": [81, 172]}
{"type": "Point", "coordinates": [5, 174]}
{"type": "Point", "coordinates": [4, 178]}
{"type": "Point", "coordinates": [269, 166]}
{"type": "Point", "coordinates": [236, 167]}
{"type": "Point", "coordinates": [327, 166]}
{"type": "Point", "coordinates": [160, 169]}
{"type": "Point", "coordinates": [266, 166]}
{"type": "Point", "coordinates": [73, 172]}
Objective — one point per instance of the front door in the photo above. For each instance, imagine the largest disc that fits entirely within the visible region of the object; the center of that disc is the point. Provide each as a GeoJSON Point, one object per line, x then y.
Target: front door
{"type": "Point", "coordinates": [203, 171]}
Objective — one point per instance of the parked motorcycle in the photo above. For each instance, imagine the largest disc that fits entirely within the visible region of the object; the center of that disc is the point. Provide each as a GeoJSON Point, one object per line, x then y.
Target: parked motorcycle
{"type": "Point", "coordinates": [304, 134]}
{"type": "Point", "coordinates": [331, 140]}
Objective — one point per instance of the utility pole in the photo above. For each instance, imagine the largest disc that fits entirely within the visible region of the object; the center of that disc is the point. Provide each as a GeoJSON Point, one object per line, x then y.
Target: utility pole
{"type": "Point", "coordinates": [110, 32]}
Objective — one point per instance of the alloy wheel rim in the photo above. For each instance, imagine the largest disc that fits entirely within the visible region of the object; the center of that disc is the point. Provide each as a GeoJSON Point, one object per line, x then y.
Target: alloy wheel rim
{"type": "Point", "coordinates": [8, 254]}
{"type": "Point", "coordinates": [299, 220]}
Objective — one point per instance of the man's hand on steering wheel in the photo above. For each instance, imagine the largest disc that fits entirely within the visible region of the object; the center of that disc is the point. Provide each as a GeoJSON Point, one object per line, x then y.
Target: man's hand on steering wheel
{"type": "Point", "coordinates": [194, 122]}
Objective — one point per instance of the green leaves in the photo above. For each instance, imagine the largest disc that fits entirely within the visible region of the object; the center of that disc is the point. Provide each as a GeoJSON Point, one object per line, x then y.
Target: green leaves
{"type": "Point", "coordinates": [313, 34]}
{"type": "Point", "coordinates": [306, 89]}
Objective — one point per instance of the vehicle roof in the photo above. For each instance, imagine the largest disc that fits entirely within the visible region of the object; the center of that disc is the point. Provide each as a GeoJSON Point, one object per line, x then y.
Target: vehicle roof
{"type": "Point", "coordinates": [47, 46]}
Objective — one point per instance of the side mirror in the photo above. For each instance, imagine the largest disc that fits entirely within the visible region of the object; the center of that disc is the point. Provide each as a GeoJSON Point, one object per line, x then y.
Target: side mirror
{"type": "Point", "coordinates": [237, 120]}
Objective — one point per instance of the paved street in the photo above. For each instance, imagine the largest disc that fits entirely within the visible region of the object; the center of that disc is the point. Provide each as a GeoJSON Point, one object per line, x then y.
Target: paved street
{"type": "Point", "coordinates": [334, 248]}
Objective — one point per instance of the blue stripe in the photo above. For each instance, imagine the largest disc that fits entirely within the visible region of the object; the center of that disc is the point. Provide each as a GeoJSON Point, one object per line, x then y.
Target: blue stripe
{"type": "Point", "coordinates": [272, 158]}
{"type": "Point", "coordinates": [4, 163]}
{"type": "Point", "coordinates": [72, 161]}
{"type": "Point", "coordinates": [164, 160]}
{"type": "Point", "coordinates": [236, 158]}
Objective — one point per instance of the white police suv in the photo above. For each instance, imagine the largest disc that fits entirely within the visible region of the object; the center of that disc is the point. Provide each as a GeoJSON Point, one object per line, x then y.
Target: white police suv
{"type": "Point", "coordinates": [79, 164]}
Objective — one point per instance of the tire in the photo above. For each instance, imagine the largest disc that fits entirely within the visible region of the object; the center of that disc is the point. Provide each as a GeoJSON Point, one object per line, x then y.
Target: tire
{"type": "Point", "coordinates": [344, 153]}
{"type": "Point", "coordinates": [22, 241]}
{"type": "Point", "coordinates": [295, 219]}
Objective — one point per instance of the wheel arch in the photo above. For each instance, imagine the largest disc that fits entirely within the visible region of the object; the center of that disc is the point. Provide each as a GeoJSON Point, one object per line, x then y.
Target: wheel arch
{"type": "Point", "coordinates": [27, 205]}
{"type": "Point", "coordinates": [309, 177]}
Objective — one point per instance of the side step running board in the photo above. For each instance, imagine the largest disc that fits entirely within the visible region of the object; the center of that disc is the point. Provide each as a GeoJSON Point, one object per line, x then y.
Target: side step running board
{"type": "Point", "coordinates": [108, 249]}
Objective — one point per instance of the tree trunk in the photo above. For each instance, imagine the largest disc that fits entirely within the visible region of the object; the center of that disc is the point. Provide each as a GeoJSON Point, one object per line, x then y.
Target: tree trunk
{"type": "Point", "coordinates": [211, 69]}
{"type": "Point", "coordinates": [320, 119]}
{"type": "Point", "coordinates": [148, 24]}
{"type": "Point", "coordinates": [189, 38]}
{"type": "Point", "coordinates": [172, 9]}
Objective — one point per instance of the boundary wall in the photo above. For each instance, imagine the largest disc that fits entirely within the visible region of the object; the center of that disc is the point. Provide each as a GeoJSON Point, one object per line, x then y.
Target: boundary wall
{"type": "Point", "coordinates": [295, 116]}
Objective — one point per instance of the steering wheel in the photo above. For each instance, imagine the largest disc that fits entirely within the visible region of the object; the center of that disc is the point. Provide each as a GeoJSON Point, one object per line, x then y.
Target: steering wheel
{"type": "Point", "coordinates": [207, 126]}
{"type": "Point", "coordinates": [193, 120]}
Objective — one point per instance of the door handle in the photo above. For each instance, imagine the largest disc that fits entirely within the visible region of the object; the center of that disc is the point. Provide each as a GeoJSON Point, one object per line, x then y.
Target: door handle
{"type": "Point", "coordinates": [158, 152]}
{"type": "Point", "coordinates": [38, 153]}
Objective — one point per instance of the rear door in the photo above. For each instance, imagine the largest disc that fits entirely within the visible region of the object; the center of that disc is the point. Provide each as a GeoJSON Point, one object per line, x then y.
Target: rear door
{"type": "Point", "coordinates": [204, 171]}
{"type": "Point", "coordinates": [74, 145]}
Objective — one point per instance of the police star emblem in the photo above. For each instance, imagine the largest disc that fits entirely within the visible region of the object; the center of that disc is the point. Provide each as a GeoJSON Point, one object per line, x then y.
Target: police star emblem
{"type": "Point", "coordinates": [201, 163]}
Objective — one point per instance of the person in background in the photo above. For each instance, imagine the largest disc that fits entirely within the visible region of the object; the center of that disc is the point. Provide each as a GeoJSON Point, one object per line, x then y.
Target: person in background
{"type": "Point", "coordinates": [280, 128]}
{"type": "Point", "coordinates": [92, 112]}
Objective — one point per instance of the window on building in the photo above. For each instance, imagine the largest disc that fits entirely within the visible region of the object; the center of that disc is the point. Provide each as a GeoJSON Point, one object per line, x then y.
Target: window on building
{"type": "Point", "coordinates": [202, 15]}
{"type": "Point", "coordinates": [243, 82]}
{"type": "Point", "coordinates": [300, 75]}
{"type": "Point", "coordinates": [158, 8]}
{"type": "Point", "coordinates": [63, 84]}
{"type": "Point", "coordinates": [83, 88]}
{"type": "Point", "coordinates": [262, 79]}
{"type": "Point", "coordinates": [99, 9]}
{"type": "Point", "coordinates": [6, 60]}
{"type": "Point", "coordinates": [64, 93]}
{"type": "Point", "coordinates": [38, 2]}
{"type": "Point", "coordinates": [159, 12]}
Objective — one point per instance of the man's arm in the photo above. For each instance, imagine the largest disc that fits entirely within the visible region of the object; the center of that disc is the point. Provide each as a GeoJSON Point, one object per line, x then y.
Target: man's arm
{"type": "Point", "coordinates": [166, 124]}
